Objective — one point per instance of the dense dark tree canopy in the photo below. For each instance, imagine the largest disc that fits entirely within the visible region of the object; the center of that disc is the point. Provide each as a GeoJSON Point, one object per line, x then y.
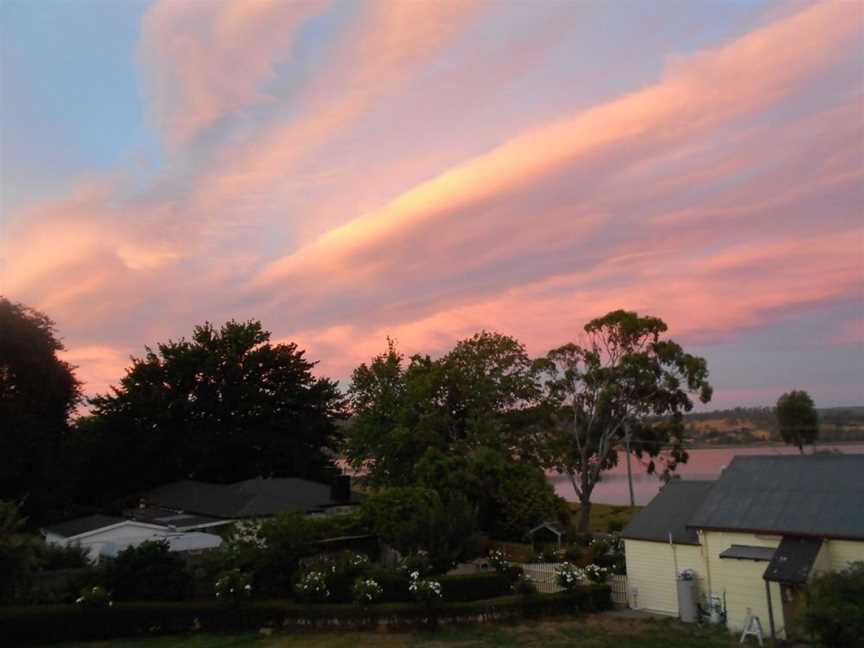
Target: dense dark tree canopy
{"type": "Point", "coordinates": [462, 426]}
{"type": "Point", "coordinates": [477, 395]}
{"type": "Point", "coordinates": [38, 392]}
{"type": "Point", "coordinates": [797, 419]}
{"type": "Point", "coordinates": [625, 386]}
{"type": "Point", "coordinates": [223, 406]}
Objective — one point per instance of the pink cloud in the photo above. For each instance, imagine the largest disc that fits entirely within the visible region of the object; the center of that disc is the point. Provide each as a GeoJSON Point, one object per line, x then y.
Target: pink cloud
{"type": "Point", "coordinates": [206, 60]}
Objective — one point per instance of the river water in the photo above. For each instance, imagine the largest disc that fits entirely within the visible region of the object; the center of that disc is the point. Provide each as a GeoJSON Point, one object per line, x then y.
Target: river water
{"type": "Point", "coordinates": [704, 463]}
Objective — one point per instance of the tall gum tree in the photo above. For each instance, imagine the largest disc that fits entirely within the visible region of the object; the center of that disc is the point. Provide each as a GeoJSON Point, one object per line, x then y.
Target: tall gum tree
{"type": "Point", "coordinates": [625, 386]}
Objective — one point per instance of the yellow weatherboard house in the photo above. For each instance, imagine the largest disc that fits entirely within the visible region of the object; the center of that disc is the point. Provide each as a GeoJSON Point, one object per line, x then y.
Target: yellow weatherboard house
{"type": "Point", "coordinates": [742, 549]}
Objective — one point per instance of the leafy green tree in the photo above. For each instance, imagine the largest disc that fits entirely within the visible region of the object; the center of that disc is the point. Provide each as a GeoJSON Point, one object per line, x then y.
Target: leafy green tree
{"type": "Point", "coordinates": [797, 419]}
{"type": "Point", "coordinates": [223, 406]}
{"type": "Point", "coordinates": [626, 386]}
{"type": "Point", "coordinates": [480, 394]}
{"type": "Point", "coordinates": [414, 518]}
{"type": "Point", "coordinates": [511, 497]}
{"type": "Point", "coordinates": [38, 392]}
{"type": "Point", "coordinates": [19, 552]}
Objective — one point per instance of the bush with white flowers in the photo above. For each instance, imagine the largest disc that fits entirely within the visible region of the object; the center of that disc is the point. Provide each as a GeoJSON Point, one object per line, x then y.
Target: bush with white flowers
{"type": "Point", "coordinates": [425, 590]}
{"type": "Point", "coordinates": [596, 573]}
{"type": "Point", "coordinates": [367, 591]}
{"type": "Point", "coordinates": [569, 576]}
{"type": "Point", "coordinates": [313, 586]}
{"type": "Point", "coordinates": [95, 597]}
{"type": "Point", "coordinates": [233, 585]}
{"type": "Point", "coordinates": [498, 560]}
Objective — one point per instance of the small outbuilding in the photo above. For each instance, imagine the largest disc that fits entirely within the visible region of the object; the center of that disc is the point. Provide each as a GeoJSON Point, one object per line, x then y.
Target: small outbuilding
{"type": "Point", "coordinates": [546, 533]}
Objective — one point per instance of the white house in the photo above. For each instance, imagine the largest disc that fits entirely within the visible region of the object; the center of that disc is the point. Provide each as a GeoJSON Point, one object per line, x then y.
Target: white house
{"type": "Point", "coordinates": [753, 538]}
{"type": "Point", "coordinates": [104, 535]}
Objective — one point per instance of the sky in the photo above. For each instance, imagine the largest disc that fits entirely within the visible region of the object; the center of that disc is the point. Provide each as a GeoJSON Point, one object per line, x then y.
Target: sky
{"type": "Point", "coordinates": [346, 171]}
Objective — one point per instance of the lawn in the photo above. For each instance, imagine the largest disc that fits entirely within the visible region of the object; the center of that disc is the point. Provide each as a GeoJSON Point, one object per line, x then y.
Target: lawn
{"type": "Point", "coordinates": [597, 631]}
{"type": "Point", "coordinates": [602, 514]}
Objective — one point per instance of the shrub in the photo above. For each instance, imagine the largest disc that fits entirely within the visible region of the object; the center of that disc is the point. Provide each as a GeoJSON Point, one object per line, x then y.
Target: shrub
{"type": "Point", "coordinates": [835, 607]}
{"type": "Point", "coordinates": [595, 573]}
{"type": "Point", "coordinates": [425, 590]}
{"type": "Point", "coordinates": [475, 587]}
{"type": "Point", "coordinates": [569, 576]}
{"type": "Point", "coordinates": [367, 591]}
{"type": "Point", "coordinates": [393, 582]}
{"type": "Point", "coordinates": [52, 557]}
{"type": "Point", "coordinates": [523, 585]}
{"type": "Point", "coordinates": [147, 572]}
{"type": "Point", "coordinates": [312, 587]}
{"type": "Point", "coordinates": [233, 586]}
{"type": "Point", "coordinates": [94, 597]}
{"type": "Point", "coordinates": [615, 525]}
{"type": "Point", "coordinates": [417, 562]}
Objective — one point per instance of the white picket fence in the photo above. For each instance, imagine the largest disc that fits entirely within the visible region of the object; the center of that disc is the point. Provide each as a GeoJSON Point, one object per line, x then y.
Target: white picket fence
{"type": "Point", "coordinates": [618, 585]}
{"type": "Point", "coordinates": [543, 576]}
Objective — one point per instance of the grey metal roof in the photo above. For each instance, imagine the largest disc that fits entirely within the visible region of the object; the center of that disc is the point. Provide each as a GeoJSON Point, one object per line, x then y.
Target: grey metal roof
{"type": "Point", "coordinates": [669, 512]}
{"type": "Point", "coordinates": [249, 498]}
{"type": "Point", "coordinates": [809, 495]}
{"type": "Point", "coordinates": [747, 552]}
{"type": "Point", "coordinates": [83, 525]}
{"type": "Point", "coordinates": [793, 560]}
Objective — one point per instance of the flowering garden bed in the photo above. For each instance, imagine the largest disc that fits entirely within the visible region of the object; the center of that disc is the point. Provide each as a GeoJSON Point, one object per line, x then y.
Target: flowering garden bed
{"type": "Point", "coordinates": [52, 623]}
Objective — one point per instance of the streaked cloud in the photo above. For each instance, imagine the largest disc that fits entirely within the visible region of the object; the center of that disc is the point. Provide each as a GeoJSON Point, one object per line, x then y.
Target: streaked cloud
{"type": "Point", "coordinates": [325, 188]}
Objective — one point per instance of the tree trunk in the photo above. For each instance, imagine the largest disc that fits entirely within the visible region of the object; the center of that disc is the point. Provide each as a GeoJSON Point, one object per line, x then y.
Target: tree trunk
{"type": "Point", "coordinates": [629, 473]}
{"type": "Point", "coordinates": [584, 512]}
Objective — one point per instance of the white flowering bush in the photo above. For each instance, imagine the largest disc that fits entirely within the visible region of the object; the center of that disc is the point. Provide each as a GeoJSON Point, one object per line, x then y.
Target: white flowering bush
{"type": "Point", "coordinates": [498, 560]}
{"type": "Point", "coordinates": [94, 597]}
{"type": "Point", "coordinates": [417, 562]}
{"type": "Point", "coordinates": [313, 586]}
{"type": "Point", "coordinates": [425, 590]}
{"type": "Point", "coordinates": [367, 591]}
{"type": "Point", "coordinates": [569, 576]}
{"type": "Point", "coordinates": [596, 573]}
{"type": "Point", "coordinates": [233, 586]}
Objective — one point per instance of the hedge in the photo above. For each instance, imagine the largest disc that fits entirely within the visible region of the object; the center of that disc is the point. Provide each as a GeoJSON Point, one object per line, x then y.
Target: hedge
{"type": "Point", "coordinates": [475, 587]}
{"type": "Point", "coordinates": [54, 623]}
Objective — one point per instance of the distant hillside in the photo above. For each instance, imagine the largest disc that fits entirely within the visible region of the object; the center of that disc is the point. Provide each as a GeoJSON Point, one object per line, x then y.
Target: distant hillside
{"type": "Point", "coordinates": [754, 425]}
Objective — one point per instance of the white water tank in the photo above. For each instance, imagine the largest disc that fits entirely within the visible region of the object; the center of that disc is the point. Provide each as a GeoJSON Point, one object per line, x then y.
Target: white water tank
{"type": "Point", "coordinates": [688, 610]}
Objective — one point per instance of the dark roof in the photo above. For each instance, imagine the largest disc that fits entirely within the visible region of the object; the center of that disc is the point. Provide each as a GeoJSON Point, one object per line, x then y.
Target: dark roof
{"type": "Point", "coordinates": [746, 552]}
{"type": "Point", "coordinates": [810, 495]}
{"type": "Point", "coordinates": [83, 525]}
{"type": "Point", "coordinates": [249, 498]}
{"type": "Point", "coordinates": [669, 512]}
{"type": "Point", "coordinates": [168, 517]}
{"type": "Point", "coordinates": [793, 560]}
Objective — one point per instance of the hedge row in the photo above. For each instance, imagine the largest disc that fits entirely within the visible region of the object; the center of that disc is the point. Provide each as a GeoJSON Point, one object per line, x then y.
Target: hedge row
{"type": "Point", "coordinates": [52, 623]}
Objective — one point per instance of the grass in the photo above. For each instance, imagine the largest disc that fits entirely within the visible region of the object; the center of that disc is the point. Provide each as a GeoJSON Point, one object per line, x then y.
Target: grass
{"type": "Point", "coordinates": [602, 514]}
{"type": "Point", "coordinates": [596, 631]}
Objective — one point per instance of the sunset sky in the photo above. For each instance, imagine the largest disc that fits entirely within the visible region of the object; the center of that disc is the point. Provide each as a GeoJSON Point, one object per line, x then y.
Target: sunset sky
{"type": "Point", "coordinates": [344, 171]}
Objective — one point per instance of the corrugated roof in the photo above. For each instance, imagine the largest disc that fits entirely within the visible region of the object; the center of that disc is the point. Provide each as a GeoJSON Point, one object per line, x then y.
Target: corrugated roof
{"type": "Point", "coordinates": [793, 560]}
{"type": "Point", "coordinates": [810, 495]}
{"type": "Point", "coordinates": [669, 512]}
{"type": "Point", "coordinates": [83, 525]}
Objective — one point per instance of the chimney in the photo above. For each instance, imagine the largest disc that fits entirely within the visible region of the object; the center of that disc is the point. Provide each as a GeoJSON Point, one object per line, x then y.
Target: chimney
{"type": "Point", "coordinates": [340, 491]}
